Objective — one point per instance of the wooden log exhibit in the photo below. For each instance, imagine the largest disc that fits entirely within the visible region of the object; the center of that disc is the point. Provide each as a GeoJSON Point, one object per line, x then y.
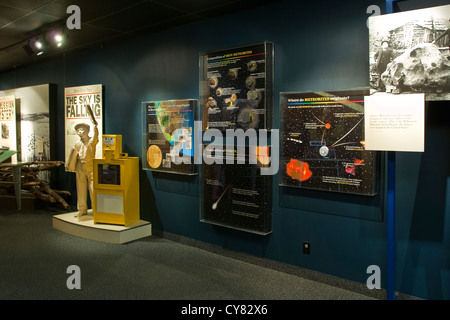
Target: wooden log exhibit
{"type": "Point", "coordinates": [31, 182]}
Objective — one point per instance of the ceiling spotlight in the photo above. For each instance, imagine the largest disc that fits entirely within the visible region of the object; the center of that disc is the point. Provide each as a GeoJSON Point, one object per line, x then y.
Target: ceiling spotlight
{"type": "Point", "coordinates": [55, 37]}
{"type": "Point", "coordinates": [58, 38]}
{"type": "Point", "coordinates": [39, 46]}
{"type": "Point", "coordinates": [35, 45]}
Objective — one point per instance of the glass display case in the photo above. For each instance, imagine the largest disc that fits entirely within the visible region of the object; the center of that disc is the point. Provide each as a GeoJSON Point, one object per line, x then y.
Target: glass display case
{"type": "Point", "coordinates": [168, 139]}
{"type": "Point", "coordinates": [236, 87]}
{"type": "Point", "coordinates": [322, 142]}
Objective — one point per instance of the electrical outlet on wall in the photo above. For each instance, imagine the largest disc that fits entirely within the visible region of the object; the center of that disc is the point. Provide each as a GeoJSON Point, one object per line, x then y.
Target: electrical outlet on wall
{"type": "Point", "coordinates": [306, 247]}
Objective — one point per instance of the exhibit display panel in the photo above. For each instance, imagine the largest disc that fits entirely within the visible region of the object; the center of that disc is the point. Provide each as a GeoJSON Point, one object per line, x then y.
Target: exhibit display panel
{"type": "Point", "coordinates": [8, 128]}
{"type": "Point", "coordinates": [234, 193]}
{"type": "Point", "coordinates": [168, 139]}
{"type": "Point", "coordinates": [322, 142]}
{"type": "Point", "coordinates": [82, 105]}
{"type": "Point", "coordinates": [236, 87]}
{"type": "Point", "coordinates": [34, 123]}
{"type": "Point", "coordinates": [409, 53]}
{"type": "Point", "coordinates": [395, 123]}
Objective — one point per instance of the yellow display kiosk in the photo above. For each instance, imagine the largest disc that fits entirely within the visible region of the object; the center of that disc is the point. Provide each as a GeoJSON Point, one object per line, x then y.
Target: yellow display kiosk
{"type": "Point", "coordinates": [116, 185]}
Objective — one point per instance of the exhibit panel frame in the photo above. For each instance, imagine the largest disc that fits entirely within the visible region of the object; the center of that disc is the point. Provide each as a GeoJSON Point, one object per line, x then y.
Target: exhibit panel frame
{"type": "Point", "coordinates": [236, 87]}
{"type": "Point", "coordinates": [168, 143]}
{"type": "Point", "coordinates": [322, 142]}
{"type": "Point", "coordinates": [233, 191]}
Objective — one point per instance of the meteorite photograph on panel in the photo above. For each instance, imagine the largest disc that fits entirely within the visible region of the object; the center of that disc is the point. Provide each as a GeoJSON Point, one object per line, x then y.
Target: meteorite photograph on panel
{"type": "Point", "coordinates": [409, 53]}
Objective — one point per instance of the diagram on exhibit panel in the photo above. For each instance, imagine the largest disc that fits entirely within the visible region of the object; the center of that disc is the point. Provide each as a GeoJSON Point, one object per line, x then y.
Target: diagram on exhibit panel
{"type": "Point", "coordinates": [323, 144]}
{"type": "Point", "coordinates": [168, 138]}
{"type": "Point", "coordinates": [236, 87]}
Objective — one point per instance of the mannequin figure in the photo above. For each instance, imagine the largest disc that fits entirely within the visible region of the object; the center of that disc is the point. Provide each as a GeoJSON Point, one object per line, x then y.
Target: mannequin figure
{"type": "Point", "coordinates": [85, 154]}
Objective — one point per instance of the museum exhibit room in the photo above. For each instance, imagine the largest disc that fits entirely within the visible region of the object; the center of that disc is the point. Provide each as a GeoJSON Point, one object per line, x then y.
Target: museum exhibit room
{"type": "Point", "coordinates": [225, 154]}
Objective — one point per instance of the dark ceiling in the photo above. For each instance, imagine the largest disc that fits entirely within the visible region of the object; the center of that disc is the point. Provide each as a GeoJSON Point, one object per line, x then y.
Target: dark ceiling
{"type": "Point", "coordinates": [102, 22]}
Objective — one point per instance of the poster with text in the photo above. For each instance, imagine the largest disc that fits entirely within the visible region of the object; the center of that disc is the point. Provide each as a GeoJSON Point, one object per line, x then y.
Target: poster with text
{"type": "Point", "coordinates": [409, 53]}
{"type": "Point", "coordinates": [168, 136]}
{"type": "Point", "coordinates": [322, 142]}
{"type": "Point", "coordinates": [236, 88]}
{"type": "Point", "coordinates": [76, 100]}
{"type": "Point", "coordinates": [395, 123]}
{"type": "Point", "coordinates": [236, 195]}
{"type": "Point", "coordinates": [8, 130]}
{"type": "Point", "coordinates": [35, 122]}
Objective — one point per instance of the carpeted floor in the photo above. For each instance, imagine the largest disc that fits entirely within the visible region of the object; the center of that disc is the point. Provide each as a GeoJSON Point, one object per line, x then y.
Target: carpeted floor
{"type": "Point", "coordinates": [34, 258]}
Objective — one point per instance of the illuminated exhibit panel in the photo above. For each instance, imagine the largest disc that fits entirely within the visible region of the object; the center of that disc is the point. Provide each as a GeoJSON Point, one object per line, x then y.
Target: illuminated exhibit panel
{"type": "Point", "coordinates": [323, 144]}
{"type": "Point", "coordinates": [408, 53]}
{"type": "Point", "coordinates": [116, 185]}
{"type": "Point", "coordinates": [236, 87]}
{"type": "Point", "coordinates": [77, 103]}
{"type": "Point", "coordinates": [237, 195]}
{"type": "Point", "coordinates": [33, 122]}
{"type": "Point", "coordinates": [8, 129]}
{"type": "Point", "coordinates": [168, 140]}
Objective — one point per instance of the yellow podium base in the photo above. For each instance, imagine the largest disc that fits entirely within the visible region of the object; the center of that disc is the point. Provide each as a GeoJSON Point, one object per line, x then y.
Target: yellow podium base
{"type": "Point", "coordinates": [86, 228]}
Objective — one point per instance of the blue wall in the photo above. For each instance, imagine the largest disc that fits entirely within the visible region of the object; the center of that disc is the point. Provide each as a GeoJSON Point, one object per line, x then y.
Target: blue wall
{"type": "Point", "coordinates": [318, 46]}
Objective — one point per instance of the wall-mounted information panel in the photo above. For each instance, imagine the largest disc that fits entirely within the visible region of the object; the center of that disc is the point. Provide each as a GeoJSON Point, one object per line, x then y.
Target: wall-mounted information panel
{"type": "Point", "coordinates": [168, 140]}
{"type": "Point", "coordinates": [8, 128]}
{"type": "Point", "coordinates": [79, 102]}
{"type": "Point", "coordinates": [409, 53]}
{"type": "Point", "coordinates": [322, 142]}
{"type": "Point", "coordinates": [236, 195]}
{"type": "Point", "coordinates": [236, 87]}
